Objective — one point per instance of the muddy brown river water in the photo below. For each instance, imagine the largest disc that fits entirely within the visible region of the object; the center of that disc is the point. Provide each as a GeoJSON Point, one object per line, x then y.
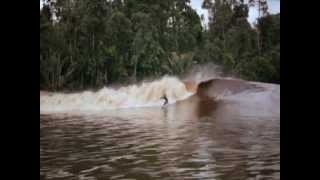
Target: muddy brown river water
{"type": "Point", "coordinates": [229, 130]}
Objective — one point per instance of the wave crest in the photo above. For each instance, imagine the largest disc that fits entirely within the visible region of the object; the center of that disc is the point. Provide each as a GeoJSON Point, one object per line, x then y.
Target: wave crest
{"type": "Point", "coordinates": [144, 95]}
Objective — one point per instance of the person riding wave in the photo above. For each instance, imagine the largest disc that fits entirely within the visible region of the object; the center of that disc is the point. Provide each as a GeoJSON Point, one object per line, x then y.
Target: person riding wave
{"type": "Point", "coordinates": [165, 100]}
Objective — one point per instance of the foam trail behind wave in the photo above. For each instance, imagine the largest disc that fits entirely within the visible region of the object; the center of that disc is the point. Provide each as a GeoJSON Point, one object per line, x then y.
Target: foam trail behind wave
{"type": "Point", "coordinates": [146, 94]}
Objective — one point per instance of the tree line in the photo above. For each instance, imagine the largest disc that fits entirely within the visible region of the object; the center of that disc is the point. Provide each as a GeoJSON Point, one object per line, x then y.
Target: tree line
{"type": "Point", "coordinates": [91, 43]}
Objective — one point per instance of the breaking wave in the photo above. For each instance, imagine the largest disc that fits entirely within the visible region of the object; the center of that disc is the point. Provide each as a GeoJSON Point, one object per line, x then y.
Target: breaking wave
{"type": "Point", "coordinates": [206, 82]}
{"type": "Point", "coordinates": [144, 95]}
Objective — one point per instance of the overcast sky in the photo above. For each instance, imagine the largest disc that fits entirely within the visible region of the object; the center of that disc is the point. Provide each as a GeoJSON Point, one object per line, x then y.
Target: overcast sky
{"type": "Point", "coordinates": [273, 5]}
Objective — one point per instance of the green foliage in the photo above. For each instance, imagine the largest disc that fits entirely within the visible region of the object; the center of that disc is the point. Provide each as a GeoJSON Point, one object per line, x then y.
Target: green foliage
{"type": "Point", "coordinates": [91, 43]}
{"type": "Point", "coordinates": [86, 44]}
{"type": "Point", "coordinates": [269, 27]}
{"type": "Point", "coordinates": [252, 53]}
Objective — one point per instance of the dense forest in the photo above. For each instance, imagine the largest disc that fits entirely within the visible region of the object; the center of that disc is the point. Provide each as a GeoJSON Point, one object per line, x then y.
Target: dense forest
{"type": "Point", "coordinates": [92, 43]}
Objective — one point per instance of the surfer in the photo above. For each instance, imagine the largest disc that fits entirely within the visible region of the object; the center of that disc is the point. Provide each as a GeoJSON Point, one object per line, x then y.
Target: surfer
{"type": "Point", "coordinates": [165, 100]}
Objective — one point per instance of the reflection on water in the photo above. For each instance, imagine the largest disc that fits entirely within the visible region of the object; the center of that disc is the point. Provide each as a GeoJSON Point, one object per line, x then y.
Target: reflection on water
{"type": "Point", "coordinates": [198, 138]}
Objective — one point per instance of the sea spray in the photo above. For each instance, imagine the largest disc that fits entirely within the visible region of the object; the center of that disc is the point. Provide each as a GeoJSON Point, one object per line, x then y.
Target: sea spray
{"type": "Point", "coordinates": [144, 95]}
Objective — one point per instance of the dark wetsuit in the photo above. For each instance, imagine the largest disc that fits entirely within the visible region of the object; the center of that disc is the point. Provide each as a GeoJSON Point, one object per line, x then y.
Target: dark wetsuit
{"type": "Point", "coordinates": [165, 100]}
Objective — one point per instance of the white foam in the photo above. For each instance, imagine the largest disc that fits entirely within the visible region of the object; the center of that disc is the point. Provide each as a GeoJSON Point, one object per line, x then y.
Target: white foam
{"type": "Point", "coordinates": [144, 95]}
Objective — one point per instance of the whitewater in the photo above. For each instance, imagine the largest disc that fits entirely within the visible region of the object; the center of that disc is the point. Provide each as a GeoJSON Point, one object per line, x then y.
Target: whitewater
{"type": "Point", "coordinates": [213, 125]}
{"type": "Point", "coordinates": [199, 79]}
{"type": "Point", "coordinates": [146, 94]}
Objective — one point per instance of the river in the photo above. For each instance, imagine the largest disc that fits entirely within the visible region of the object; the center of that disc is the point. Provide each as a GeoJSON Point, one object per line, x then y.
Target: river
{"type": "Point", "coordinates": [229, 129]}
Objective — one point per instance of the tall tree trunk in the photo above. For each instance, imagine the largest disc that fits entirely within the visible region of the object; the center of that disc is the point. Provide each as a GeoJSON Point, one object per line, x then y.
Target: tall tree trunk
{"type": "Point", "coordinates": [259, 9]}
{"type": "Point", "coordinates": [135, 69]}
{"type": "Point", "coordinates": [224, 38]}
{"type": "Point", "coordinates": [92, 42]}
{"type": "Point", "coordinates": [258, 42]}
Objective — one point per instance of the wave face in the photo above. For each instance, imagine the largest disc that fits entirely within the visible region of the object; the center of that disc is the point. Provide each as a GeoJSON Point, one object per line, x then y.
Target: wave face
{"type": "Point", "coordinates": [206, 82]}
{"type": "Point", "coordinates": [144, 95]}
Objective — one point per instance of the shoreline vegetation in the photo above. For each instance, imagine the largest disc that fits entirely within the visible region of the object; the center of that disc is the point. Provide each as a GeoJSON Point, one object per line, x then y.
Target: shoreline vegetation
{"type": "Point", "coordinates": [89, 44]}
